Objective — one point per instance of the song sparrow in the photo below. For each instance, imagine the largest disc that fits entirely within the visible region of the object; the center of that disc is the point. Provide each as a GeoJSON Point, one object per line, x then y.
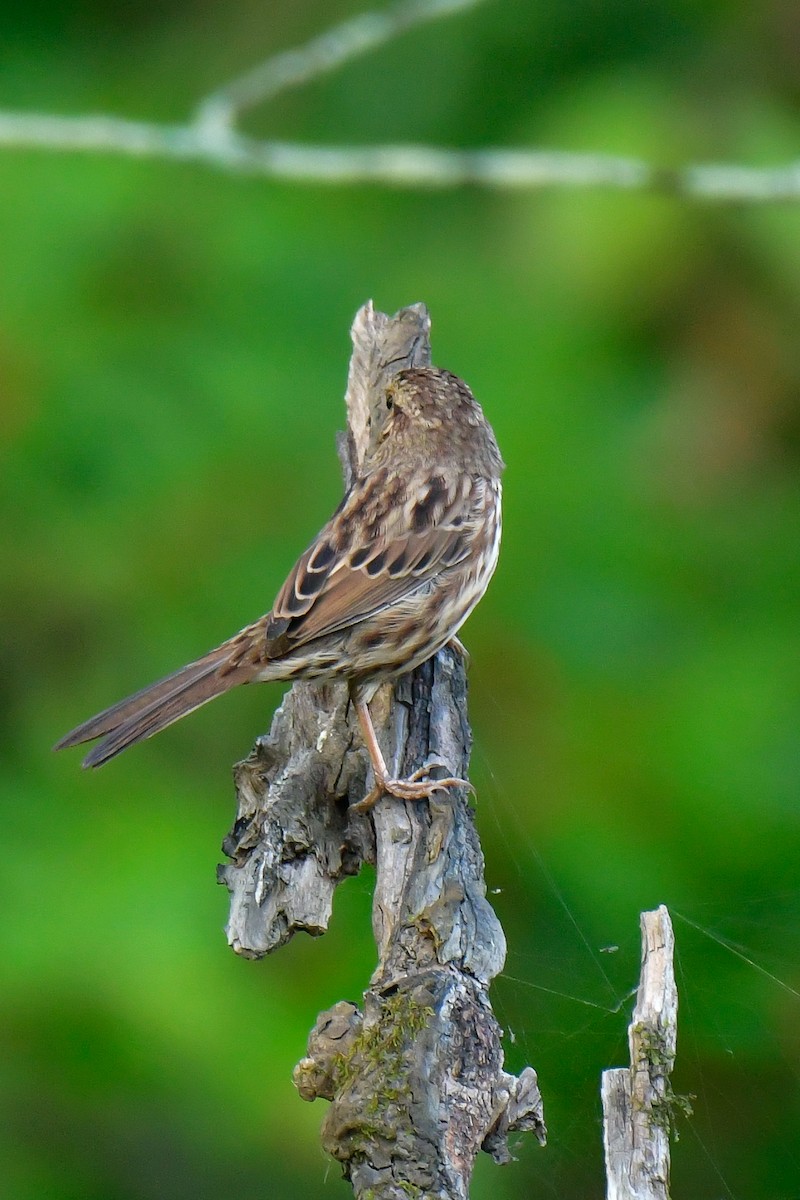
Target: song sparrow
{"type": "Point", "coordinates": [386, 583]}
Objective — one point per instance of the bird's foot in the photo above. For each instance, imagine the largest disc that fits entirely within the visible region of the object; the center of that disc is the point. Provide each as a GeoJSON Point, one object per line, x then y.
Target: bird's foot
{"type": "Point", "coordinates": [416, 787]}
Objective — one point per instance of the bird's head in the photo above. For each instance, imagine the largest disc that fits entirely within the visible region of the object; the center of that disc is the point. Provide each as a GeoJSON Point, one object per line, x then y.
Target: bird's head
{"type": "Point", "coordinates": [430, 416]}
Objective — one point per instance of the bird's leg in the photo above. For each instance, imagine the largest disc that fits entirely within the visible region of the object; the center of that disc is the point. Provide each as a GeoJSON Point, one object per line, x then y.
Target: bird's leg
{"type": "Point", "coordinates": [458, 647]}
{"type": "Point", "coordinates": [414, 788]}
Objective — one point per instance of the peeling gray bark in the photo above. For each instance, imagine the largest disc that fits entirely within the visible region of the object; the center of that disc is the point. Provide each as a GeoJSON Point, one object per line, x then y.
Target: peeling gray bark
{"type": "Point", "coordinates": [415, 1076]}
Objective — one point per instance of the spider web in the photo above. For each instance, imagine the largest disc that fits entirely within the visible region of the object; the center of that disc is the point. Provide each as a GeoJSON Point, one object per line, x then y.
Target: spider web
{"type": "Point", "coordinates": [565, 1002]}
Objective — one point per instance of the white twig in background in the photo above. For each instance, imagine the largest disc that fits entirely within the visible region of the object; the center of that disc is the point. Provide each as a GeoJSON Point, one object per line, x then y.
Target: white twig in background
{"type": "Point", "coordinates": [321, 55]}
{"type": "Point", "coordinates": [409, 166]}
{"type": "Point", "coordinates": [211, 138]}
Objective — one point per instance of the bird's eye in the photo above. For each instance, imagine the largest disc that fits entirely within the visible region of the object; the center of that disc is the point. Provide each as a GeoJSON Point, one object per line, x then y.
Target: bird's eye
{"type": "Point", "coordinates": [389, 402]}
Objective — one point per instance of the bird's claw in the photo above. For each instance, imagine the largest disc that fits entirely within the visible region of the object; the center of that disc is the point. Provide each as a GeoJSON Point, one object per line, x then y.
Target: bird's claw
{"type": "Point", "coordinates": [416, 787]}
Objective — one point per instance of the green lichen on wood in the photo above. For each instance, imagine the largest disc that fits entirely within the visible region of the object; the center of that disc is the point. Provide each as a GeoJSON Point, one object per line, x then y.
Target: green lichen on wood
{"type": "Point", "coordinates": [380, 1063]}
{"type": "Point", "coordinates": [376, 1083]}
{"type": "Point", "coordinates": [653, 1048]}
{"type": "Point", "coordinates": [660, 1059]}
{"type": "Point", "coordinates": [665, 1110]}
{"type": "Point", "coordinates": [382, 1045]}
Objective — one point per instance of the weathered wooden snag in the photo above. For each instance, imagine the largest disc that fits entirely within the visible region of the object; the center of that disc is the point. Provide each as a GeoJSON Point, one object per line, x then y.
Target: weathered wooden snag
{"type": "Point", "coordinates": [638, 1102]}
{"type": "Point", "coordinates": [415, 1077]}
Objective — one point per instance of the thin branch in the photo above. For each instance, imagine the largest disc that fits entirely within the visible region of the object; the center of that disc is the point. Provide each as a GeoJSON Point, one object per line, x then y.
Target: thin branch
{"type": "Point", "coordinates": [409, 166]}
{"type": "Point", "coordinates": [211, 138]}
{"type": "Point", "coordinates": [320, 56]}
{"type": "Point", "coordinates": [395, 166]}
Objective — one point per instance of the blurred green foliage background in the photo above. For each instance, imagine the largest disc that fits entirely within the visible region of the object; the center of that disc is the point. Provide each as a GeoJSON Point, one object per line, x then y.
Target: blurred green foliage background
{"type": "Point", "coordinates": [173, 350]}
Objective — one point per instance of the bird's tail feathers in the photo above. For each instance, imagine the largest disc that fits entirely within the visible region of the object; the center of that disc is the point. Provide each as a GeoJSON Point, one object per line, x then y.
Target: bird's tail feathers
{"type": "Point", "coordinates": [159, 705]}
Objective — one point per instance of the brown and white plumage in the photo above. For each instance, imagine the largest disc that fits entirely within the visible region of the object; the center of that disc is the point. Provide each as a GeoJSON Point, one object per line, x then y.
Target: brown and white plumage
{"type": "Point", "coordinates": [387, 582]}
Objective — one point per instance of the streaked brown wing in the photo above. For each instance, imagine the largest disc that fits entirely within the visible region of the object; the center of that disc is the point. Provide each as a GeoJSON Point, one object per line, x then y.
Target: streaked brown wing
{"type": "Point", "coordinates": [382, 545]}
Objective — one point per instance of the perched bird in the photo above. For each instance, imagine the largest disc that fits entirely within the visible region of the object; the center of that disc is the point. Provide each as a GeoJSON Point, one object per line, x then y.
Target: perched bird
{"type": "Point", "coordinates": [385, 584]}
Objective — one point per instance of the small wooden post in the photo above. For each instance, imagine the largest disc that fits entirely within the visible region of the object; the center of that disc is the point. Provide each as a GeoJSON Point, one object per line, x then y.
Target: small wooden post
{"type": "Point", "coordinates": [638, 1103]}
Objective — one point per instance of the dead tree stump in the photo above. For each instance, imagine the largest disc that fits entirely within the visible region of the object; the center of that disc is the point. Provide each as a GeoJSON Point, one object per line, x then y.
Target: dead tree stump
{"type": "Point", "coordinates": [415, 1076]}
